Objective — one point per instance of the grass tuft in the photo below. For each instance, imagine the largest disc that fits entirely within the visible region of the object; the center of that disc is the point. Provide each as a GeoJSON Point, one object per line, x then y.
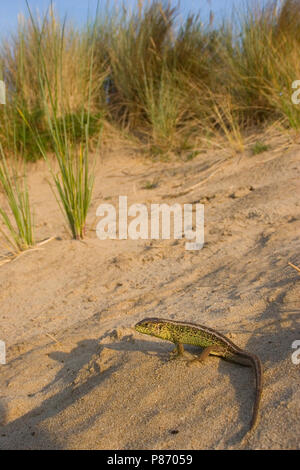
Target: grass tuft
{"type": "Point", "coordinates": [18, 221]}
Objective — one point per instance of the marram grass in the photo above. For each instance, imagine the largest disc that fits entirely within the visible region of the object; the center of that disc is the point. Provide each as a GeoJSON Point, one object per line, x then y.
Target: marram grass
{"type": "Point", "coordinates": [18, 222]}
{"type": "Point", "coordinates": [75, 179]}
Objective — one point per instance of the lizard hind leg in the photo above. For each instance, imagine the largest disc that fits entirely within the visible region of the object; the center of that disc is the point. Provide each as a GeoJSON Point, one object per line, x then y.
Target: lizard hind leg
{"type": "Point", "coordinates": [205, 353]}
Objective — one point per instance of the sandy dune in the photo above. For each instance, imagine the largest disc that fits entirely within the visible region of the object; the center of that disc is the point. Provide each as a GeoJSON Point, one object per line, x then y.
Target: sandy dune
{"type": "Point", "coordinates": [79, 377]}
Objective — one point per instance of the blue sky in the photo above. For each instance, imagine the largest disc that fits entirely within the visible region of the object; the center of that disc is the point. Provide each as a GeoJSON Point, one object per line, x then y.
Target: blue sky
{"type": "Point", "coordinates": [78, 9]}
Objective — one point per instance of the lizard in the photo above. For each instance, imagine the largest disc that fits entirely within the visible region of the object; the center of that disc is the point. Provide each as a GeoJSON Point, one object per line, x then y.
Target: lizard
{"type": "Point", "coordinates": [211, 341]}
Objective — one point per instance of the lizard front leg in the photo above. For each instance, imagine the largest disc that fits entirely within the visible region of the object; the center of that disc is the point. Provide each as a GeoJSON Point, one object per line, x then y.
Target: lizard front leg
{"type": "Point", "coordinates": [177, 352]}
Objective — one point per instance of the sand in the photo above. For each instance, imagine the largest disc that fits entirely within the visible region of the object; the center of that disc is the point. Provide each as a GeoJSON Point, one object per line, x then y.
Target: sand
{"type": "Point", "coordinates": [79, 377]}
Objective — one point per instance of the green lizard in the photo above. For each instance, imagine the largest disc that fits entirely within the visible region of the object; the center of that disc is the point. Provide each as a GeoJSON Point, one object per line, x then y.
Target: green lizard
{"type": "Point", "coordinates": [214, 343]}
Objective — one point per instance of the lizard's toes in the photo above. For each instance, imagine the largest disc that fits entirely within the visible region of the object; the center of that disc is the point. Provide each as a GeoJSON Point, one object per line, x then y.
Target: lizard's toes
{"type": "Point", "coordinates": [180, 357]}
{"type": "Point", "coordinates": [177, 357]}
{"type": "Point", "coordinates": [194, 362]}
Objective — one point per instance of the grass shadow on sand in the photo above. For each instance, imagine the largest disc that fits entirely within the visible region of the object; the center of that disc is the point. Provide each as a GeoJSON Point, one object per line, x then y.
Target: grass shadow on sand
{"type": "Point", "coordinates": [26, 432]}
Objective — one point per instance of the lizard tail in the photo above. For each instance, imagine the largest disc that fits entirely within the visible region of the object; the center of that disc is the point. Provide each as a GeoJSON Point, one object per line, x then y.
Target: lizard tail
{"type": "Point", "coordinates": [257, 366]}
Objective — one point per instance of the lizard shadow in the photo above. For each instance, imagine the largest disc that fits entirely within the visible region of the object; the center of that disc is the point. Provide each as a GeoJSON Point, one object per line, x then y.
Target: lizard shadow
{"type": "Point", "coordinates": [148, 347]}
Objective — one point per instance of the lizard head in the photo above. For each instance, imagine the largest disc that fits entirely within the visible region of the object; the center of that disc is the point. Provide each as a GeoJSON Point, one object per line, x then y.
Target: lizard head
{"type": "Point", "coordinates": [154, 327]}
